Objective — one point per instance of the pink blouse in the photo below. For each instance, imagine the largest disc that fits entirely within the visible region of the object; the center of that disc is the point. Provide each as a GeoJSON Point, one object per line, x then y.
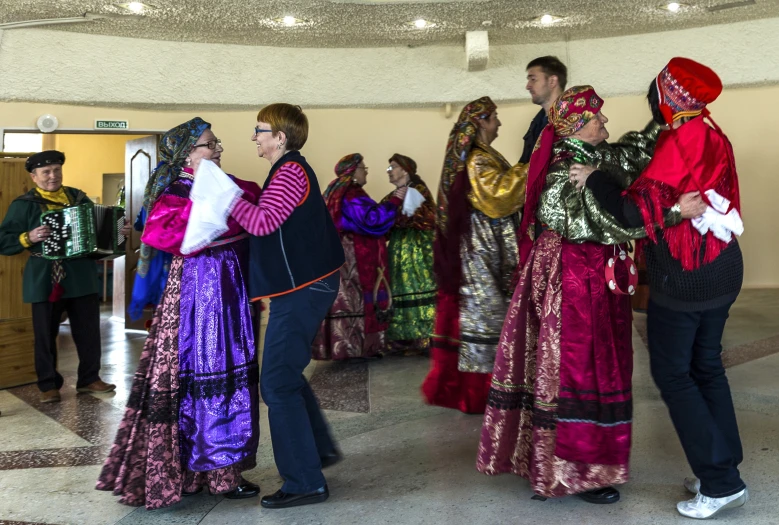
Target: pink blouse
{"type": "Point", "coordinates": [167, 221]}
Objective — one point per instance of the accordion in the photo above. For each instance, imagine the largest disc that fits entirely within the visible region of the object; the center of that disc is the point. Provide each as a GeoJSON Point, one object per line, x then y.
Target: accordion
{"type": "Point", "coordinates": [84, 230]}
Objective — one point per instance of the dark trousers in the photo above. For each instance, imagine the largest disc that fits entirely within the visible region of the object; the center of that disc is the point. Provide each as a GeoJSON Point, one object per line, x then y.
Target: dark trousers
{"type": "Point", "coordinates": [685, 350]}
{"type": "Point", "coordinates": [299, 433]}
{"type": "Point", "coordinates": [84, 315]}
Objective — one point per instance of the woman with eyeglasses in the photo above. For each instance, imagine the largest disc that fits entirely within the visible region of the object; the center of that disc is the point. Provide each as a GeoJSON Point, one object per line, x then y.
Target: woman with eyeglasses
{"type": "Point", "coordinates": [295, 256]}
{"type": "Point", "coordinates": [410, 250]}
{"type": "Point", "coordinates": [355, 325]}
{"type": "Point", "coordinates": [192, 419]}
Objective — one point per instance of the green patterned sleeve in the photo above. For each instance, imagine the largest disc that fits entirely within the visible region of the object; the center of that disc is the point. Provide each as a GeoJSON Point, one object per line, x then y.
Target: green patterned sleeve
{"type": "Point", "coordinates": [625, 159]}
{"type": "Point", "coordinates": [577, 215]}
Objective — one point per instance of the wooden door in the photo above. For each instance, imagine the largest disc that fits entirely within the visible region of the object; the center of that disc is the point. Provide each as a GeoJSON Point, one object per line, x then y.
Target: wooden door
{"type": "Point", "coordinates": [140, 159]}
{"type": "Point", "coordinates": [17, 359]}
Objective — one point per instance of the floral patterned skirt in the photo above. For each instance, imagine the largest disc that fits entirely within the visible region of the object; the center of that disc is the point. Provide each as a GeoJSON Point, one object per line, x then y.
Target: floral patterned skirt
{"type": "Point", "coordinates": [413, 286]}
{"type": "Point", "coordinates": [144, 466]}
{"type": "Point", "coordinates": [529, 426]}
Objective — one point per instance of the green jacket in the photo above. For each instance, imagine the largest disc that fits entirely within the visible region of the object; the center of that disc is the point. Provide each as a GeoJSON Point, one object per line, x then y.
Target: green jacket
{"type": "Point", "coordinates": [80, 274]}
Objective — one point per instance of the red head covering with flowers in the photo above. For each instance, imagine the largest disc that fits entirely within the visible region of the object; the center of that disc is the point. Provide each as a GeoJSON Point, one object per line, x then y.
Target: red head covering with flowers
{"type": "Point", "coordinates": [685, 87]}
{"type": "Point", "coordinates": [575, 108]}
{"type": "Point", "coordinates": [569, 113]}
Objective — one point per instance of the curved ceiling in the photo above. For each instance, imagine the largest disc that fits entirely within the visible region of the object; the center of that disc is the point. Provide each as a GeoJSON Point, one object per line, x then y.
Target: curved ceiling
{"type": "Point", "coordinates": [379, 23]}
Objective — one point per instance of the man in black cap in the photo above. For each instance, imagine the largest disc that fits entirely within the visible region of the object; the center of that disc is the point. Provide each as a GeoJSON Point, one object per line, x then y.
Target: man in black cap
{"type": "Point", "coordinates": [54, 287]}
{"type": "Point", "coordinates": [546, 79]}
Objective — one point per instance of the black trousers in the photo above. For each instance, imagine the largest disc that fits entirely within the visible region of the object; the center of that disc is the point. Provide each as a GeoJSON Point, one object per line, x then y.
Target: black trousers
{"type": "Point", "coordinates": [298, 430]}
{"type": "Point", "coordinates": [84, 315]}
{"type": "Point", "coordinates": [685, 350]}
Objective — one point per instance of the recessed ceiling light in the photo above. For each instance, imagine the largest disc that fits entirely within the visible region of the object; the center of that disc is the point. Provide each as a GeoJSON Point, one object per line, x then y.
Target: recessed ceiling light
{"type": "Point", "coordinates": [135, 7]}
{"type": "Point", "coordinates": [673, 7]}
{"type": "Point", "coordinates": [289, 21]}
{"type": "Point", "coordinates": [548, 19]}
{"type": "Point", "coordinates": [421, 23]}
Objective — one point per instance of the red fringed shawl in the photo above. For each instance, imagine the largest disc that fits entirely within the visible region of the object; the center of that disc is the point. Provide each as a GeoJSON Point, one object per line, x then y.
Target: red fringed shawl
{"type": "Point", "coordinates": [693, 157]}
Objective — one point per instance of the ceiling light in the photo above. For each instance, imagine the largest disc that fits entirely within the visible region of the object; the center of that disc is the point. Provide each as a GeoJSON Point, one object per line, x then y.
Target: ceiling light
{"type": "Point", "coordinates": [287, 21]}
{"type": "Point", "coordinates": [421, 23]}
{"type": "Point", "coordinates": [135, 7]}
{"type": "Point", "coordinates": [547, 19]}
{"type": "Point", "coordinates": [673, 7]}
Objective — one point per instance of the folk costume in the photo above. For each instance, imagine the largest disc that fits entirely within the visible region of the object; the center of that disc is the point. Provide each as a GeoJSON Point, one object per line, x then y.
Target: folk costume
{"type": "Point", "coordinates": [354, 326]}
{"type": "Point", "coordinates": [560, 405]}
{"type": "Point", "coordinates": [192, 419]}
{"type": "Point", "coordinates": [410, 249]}
{"type": "Point", "coordinates": [475, 254]}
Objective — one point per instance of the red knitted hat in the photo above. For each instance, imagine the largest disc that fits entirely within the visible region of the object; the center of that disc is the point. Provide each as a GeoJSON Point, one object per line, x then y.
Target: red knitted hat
{"type": "Point", "coordinates": [685, 87]}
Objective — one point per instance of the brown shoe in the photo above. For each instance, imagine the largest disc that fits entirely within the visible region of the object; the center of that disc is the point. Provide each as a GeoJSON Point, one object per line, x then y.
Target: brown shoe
{"type": "Point", "coordinates": [98, 387]}
{"type": "Point", "coordinates": [51, 396]}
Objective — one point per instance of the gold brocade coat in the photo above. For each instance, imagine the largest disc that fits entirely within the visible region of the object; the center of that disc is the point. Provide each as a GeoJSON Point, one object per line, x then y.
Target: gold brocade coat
{"type": "Point", "coordinates": [489, 255]}
{"type": "Point", "coordinates": [497, 187]}
{"type": "Point", "coordinates": [576, 215]}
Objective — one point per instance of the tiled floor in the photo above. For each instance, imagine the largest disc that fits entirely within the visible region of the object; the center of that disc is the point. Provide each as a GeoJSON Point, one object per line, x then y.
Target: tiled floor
{"type": "Point", "coordinates": [405, 462]}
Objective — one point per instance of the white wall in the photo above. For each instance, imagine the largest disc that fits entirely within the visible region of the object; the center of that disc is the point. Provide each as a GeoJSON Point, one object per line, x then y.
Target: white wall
{"type": "Point", "coordinates": [78, 68]}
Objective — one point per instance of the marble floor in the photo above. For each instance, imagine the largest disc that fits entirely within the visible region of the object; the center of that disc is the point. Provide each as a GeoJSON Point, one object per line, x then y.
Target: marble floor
{"type": "Point", "coordinates": [406, 463]}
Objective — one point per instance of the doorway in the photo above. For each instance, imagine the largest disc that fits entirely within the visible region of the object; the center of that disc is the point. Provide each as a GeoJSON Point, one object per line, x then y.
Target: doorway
{"type": "Point", "coordinates": [113, 188]}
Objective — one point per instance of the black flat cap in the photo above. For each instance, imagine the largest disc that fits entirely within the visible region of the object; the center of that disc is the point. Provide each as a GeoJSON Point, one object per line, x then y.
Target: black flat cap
{"type": "Point", "coordinates": [44, 158]}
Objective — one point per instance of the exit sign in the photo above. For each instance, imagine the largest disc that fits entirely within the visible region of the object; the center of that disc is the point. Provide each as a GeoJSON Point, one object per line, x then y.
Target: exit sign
{"type": "Point", "coordinates": [112, 124]}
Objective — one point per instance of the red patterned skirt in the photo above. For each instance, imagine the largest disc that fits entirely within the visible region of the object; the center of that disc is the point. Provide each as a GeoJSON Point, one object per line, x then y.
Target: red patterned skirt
{"type": "Point", "coordinates": [560, 405]}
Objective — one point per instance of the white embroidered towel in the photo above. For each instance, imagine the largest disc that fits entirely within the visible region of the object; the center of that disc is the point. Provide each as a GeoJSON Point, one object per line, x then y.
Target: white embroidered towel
{"type": "Point", "coordinates": [718, 220]}
{"type": "Point", "coordinates": [213, 196]}
{"type": "Point", "coordinates": [412, 202]}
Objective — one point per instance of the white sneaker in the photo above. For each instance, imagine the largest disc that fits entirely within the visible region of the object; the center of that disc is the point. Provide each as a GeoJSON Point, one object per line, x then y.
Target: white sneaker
{"type": "Point", "coordinates": [702, 507]}
{"type": "Point", "coordinates": [692, 485]}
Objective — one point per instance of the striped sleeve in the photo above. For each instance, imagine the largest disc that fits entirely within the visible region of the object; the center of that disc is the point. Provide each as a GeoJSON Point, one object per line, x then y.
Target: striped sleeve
{"type": "Point", "coordinates": [286, 190]}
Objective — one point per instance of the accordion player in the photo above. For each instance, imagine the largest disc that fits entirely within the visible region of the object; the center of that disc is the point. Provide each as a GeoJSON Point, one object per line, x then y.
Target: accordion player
{"type": "Point", "coordinates": [85, 230]}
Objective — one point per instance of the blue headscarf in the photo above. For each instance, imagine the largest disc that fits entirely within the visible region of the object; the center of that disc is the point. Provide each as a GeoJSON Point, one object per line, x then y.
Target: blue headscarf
{"type": "Point", "coordinates": [175, 145]}
{"type": "Point", "coordinates": [153, 265]}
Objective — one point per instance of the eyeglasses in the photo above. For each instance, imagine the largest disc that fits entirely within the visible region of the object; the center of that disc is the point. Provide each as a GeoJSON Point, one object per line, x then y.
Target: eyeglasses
{"type": "Point", "coordinates": [389, 168]}
{"type": "Point", "coordinates": [257, 130]}
{"type": "Point", "coordinates": [211, 144]}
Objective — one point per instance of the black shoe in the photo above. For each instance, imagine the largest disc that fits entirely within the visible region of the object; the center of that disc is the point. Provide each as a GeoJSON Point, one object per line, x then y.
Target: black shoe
{"type": "Point", "coordinates": [282, 500]}
{"type": "Point", "coordinates": [602, 496]}
{"type": "Point", "coordinates": [331, 458]}
{"type": "Point", "coordinates": [246, 489]}
{"type": "Point", "coordinates": [196, 491]}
